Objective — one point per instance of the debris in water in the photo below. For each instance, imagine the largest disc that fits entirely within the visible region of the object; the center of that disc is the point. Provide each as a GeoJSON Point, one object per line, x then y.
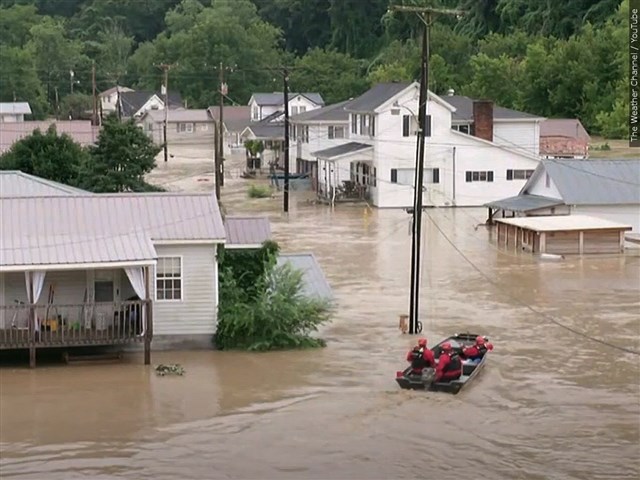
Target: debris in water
{"type": "Point", "coordinates": [171, 369]}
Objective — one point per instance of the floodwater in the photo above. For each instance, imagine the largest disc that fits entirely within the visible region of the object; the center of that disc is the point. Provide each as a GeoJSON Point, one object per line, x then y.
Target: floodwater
{"type": "Point", "coordinates": [549, 405]}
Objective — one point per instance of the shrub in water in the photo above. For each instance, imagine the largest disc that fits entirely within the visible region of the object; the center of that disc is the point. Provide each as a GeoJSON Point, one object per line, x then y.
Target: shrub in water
{"type": "Point", "coordinates": [259, 191]}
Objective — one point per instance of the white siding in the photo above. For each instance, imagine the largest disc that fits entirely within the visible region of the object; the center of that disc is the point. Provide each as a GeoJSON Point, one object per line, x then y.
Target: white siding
{"type": "Point", "coordinates": [11, 118]}
{"type": "Point", "coordinates": [196, 313]}
{"type": "Point", "coordinates": [539, 187]}
{"type": "Point", "coordinates": [319, 139]}
{"type": "Point", "coordinates": [393, 151]}
{"type": "Point", "coordinates": [202, 133]}
{"type": "Point", "coordinates": [520, 136]}
{"type": "Point", "coordinates": [626, 214]}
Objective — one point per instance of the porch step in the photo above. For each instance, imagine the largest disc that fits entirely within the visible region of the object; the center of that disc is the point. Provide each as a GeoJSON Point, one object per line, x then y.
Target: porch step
{"type": "Point", "coordinates": [91, 357]}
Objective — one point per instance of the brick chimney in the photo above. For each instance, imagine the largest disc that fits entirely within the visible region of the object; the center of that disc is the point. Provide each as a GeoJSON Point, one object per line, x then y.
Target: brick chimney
{"type": "Point", "coordinates": [483, 119]}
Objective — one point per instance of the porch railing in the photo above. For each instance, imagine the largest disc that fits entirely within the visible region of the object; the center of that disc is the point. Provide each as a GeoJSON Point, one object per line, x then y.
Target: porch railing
{"type": "Point", "coordinates": [23, 325]}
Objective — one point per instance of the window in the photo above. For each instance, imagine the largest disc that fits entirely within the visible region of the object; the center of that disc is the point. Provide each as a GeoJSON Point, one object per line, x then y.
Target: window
{"type": "Point", "coordinates": [547, 181]}
{"type": "Point", "coordinates": [403, 176]}
{"type": "Point", "coordinates": [406, 125]}
{"type": "Point", "coordinates": [372, 126]}
{"type": "Point", "coordinates": [335, 132]}
{"type": "Point", "coordinates": [305, 134]}
{"type": "Point", "coordinates": [519, 174]}
{"type": "Point", "coordinates": [480, 176]}
{"type": "Point", "coordinates": [431, 175]}
{"type": "Point", "coordinates": [462, 128]}
{"type": "Point", "coordinates": [256, 113]}
{"type": "Point", "coordinates": [375, 177]}
{"type": "Point", "coordinates": [294, 110]}
{"type": "Point", "coordinates": [169, 278]}
{"type": "Point", "coordinates": [363, 124]}
{"type": "Point", "coordinates": [302, 109]}
{"type": "Point", "coordinates": [185, 127]}
{"type": "Point", "coordinates": [354, 124]}
{"type": "Point", "coordinates": [427, 126]}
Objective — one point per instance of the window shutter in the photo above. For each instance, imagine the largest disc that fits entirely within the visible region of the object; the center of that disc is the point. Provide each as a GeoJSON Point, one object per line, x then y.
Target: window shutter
{"type": "Point", "coordinates": [509, 174]}
{"type": "Point", "coordinates": [490, 176]}
{"type": "Point", "coordinates": [406, 122]}
{"type": "Point", "coordinates": [468, 175]}
{"type": "Point", "coordinates": [427, 126]}
{"type": "Point", "coordinates": [394, 175]}
{"type": "Point", "coordinates": [436, 175]}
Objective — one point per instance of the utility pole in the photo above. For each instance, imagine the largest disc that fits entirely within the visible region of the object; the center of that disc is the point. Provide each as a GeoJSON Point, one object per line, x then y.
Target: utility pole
{"type": "Point", "coordinates": [223, 91]}
{"type": "Point", "coordinates": [71, 76]}
{"type": "Point", "coordinates": [426, 15]}
{"type": "Point", "coordinates": [93, 89]}
{"type": "Point", "coordinates": [165, 68]}
{"type": "Point", "coordinates": [286, 139]}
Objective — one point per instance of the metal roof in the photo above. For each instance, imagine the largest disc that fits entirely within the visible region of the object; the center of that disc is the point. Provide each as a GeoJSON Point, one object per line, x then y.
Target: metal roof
{"type": "Point", "coordinates": [315, 284]}
{"type": "Point", "coordinates": [592, 182]}
{"type": "Point", "coordinates": [330, 113]}
{"type": "Point", "coordinates": [14, 183]}
{"type": "Point", "coordinates": [181, 115]}
{"type": "Point", "coordinates": [267, 131]}
{"type": "Point", "coordinates": [563, 127]}
{"type": "Point", "coordinates": [524, 203]}
{"type": "Point", "coordinates": [277, 98]}
{"type": "Point", "coordinates": [235, 117]}
{"type": "Point", "coordinates": [81, 131]}
{"type": "Point", "coordinates": [339, 150]}
{"type": "Point", "coordinates": [51, 230]}
{"type": "Point", "coordinates": [464, 110]}
{"type": "Point", "coordinates": [134, 100]}
{"type": "Point", "coordinates": [559, 223]}
{"type": "Point", "coordinates": [247, 232]}
{"type": "Point", "coordinates": [15, 108]}
{"type": "Point", "coordinates": [376, 96]}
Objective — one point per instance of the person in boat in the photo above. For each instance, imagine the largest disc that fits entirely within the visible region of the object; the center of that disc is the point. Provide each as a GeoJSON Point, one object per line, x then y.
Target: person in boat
{"type": "Point", "coordinates": [421, 357]}
{"type": "Point", "coordinates": [449, 364]}
{"type": "Point", "coordinates": [478, 350]}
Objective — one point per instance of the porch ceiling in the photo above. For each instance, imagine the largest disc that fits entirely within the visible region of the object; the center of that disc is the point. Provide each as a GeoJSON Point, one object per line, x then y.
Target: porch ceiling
{"type": "Point", "coordinates": [347, 149]}
{"type": "Point", "coordinates": [524, 203]}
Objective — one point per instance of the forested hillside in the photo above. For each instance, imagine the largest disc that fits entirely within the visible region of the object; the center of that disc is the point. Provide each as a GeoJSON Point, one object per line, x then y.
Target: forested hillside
{"type": "Point", "coordinates": [557, 59]}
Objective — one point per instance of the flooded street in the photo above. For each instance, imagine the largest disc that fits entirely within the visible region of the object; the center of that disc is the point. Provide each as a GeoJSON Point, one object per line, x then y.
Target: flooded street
{"type": "Point", "coordinates": [550, 404]}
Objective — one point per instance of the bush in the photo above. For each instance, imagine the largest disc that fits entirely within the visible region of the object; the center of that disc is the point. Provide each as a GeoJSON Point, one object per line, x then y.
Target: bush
{"type": "Point", "coordinates": [259, 191]}
{"type": "Point", "coordinates": [279, 317]}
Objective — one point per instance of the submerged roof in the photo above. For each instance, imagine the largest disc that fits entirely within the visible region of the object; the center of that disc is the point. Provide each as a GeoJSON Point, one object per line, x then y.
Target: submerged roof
{"type": "Point", "coordinates": [315, 284]}
{"type": "Point", "coordinates": [15, 108]}
{"type": "Point", "coordinates": [558, 223]}
{"type": "Point", "coordinates": [593, 182]}
{"type": "Point", "coordinates": [376, 96]}
{"type": "Point", "coordinates": [81, 131]}
{"type": "Point", "coordinates": [524, 203]}
{"type": "Point", "coordinates": [247, 232]}
{"type": "Point", "coordinates": [14, 183]}
{"type": "Point", "coordinates": [464, 110]}
{"type": "Point", "coordinates": [98, 228]}
{"type": "Point", "coordinates": [339, 150]}
{"type": "Point", "coordinates": [330, 113]}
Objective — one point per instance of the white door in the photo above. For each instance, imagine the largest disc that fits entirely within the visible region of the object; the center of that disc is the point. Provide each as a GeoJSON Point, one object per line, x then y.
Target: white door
{"type": "Point", "coordinates": [104, 288]}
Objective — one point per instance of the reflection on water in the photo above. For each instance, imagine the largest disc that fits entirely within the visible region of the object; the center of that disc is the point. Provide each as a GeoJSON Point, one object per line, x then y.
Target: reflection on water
{"type": "Point", "coordinates": [550, 404]}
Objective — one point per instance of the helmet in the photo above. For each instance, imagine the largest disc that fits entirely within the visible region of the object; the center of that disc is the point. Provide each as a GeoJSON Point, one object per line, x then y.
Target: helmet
{"type": "Point", "coordinates": [446, 347]}
{"type": "Point", "coordinates": [480, 340]}
{"type": "Point", "coordinates": [422, 342]}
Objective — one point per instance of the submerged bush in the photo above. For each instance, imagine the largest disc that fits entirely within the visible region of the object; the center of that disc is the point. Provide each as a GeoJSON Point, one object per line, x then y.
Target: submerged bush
{"type": "Point", "coordinates": [278, 317]}
{"type": "Point", "coordinates": [259, 191]}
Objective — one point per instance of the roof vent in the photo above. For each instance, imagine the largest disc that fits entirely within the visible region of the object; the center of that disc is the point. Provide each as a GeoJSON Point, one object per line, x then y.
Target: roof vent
{"type": "Point", "coordinates": [450, 92]}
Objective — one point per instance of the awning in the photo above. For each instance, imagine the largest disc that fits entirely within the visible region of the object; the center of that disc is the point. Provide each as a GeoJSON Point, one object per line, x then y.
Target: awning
{"type": "Point", "coordinates": [342, 150]}
{"type": "Point", "coordinates": [524, 203]}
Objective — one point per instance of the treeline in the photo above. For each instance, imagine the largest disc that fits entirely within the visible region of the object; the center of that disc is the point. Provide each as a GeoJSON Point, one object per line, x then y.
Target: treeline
{"type": "Point", "coordinates": [556, 59]}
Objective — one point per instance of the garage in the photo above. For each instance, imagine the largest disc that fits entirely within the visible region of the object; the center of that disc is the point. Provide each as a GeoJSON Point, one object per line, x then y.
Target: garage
{"type": "Point", "coordinates": [562, 234]}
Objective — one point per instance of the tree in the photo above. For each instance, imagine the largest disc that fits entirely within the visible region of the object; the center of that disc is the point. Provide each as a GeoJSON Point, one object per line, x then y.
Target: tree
{"type": "Point", "coordinates": [19, 80]}
{"type": "Point", "coordinates": [47, 155]}
{"type": "Point", "coordinates": [335, 75]}
{"type": "Point", "coordinates": [119, 161]}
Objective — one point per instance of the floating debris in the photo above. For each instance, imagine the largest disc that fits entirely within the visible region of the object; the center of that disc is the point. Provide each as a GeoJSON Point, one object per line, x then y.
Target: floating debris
{"type": "Point", "coordinates": [171, 369]}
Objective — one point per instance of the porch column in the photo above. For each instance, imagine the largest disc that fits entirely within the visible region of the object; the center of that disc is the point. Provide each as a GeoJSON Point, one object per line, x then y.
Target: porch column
{"type": "Point", "coordinates": [148, 331]}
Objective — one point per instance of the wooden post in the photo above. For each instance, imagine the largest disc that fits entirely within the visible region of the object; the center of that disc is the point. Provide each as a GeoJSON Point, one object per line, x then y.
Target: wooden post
{"type": "Point", "coordinates": [581, 242]}
{"type": "Point", "coordinates": [32, 325]}
{"type": "Point", "coordinates": [148, 332]}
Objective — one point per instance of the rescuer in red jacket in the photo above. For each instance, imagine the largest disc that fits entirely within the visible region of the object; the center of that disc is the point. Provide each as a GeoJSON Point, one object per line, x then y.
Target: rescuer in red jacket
{"type": "Point", "coordinates": [421, 357]}
{"type": "Point", "coordinates": [477, 351]}
{"type": "Point", "coordinates": [449, 364]}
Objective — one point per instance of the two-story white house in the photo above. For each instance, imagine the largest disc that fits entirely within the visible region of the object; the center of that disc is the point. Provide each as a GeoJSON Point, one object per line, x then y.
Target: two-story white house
{"type": "Point", "coordinates": [109, 98]}
{"type": "Point", "coordinates": [266, 104]}
{"type": "Point", "coordinates": [13, 112]}
{"type": "Point", "coordinates": [461, 169]}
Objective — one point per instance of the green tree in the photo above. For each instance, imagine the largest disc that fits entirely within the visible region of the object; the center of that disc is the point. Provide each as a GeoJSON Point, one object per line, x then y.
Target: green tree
{"type": "Point", "coordinates": [47, 155]}
{"type": "Point", "coordinates": [112, 50]}
{"type": "Point", "coordinates": [124, 154]}
{"type": "Point", "coordinates": [498, 79]}
{"type": "Point", "coordinates": [356, 26]}
{"type": "Point", "coordinates": [15, 24]}
{"type": "Point", "coordinates": [335, 75]}
{"type": "Point", "coordinates": [76, 106]}
{"type": "Point", "coordinates": [19, 80]}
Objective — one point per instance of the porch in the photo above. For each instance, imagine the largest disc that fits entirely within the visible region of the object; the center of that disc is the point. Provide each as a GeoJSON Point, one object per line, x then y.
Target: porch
{"type": "Point", "coordinates": [76, 308]}
{"type": "Point", "coordinates": [345, 173]}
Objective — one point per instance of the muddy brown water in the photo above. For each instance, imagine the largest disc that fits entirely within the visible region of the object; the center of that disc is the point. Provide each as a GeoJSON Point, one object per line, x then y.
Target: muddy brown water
{"type": "Point", "coordinates": [548, 405]}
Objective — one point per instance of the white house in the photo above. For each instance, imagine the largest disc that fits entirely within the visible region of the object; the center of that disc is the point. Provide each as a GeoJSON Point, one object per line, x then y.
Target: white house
{"type": "Point", "coordinates": [461, 169]}
{"type": "Point", "coordinates": [11, 112]}
{"type": "Point", "coordinates": [190, 127]}
{"type": "Point", "coordinates": [109, 98]}
{"type": "Point", "coordinates": [265, 104]}
{"type": "Point", "coordinates": [605, 189]}
{"type": "Point", "coordinates": [134, 104]}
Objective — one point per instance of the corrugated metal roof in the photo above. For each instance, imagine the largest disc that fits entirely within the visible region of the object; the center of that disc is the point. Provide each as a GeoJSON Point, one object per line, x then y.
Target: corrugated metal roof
{"type": "Point", "coordinates": [267, 131]}
{"type": "Point", "coordinates": [277, 98]}
{"type": "Point", "coordinates": [330, 113]}
{"type": "Point", "coordinates": [81, 131]}
{"type": "Point", "coordinates": [247, 231]}
{"type": "Point", "coordinates": [13, 108]}
{"type": "Point", "coordinates": [593, 182]}
{"type": "Point", "coordinates": [51, 230]}
{"type": "Point", "coordinates": [563, 127]}
{"type": "Point", "coordinates": [376, 96]}
{"type": "Point", "coordinates": [14, 183]}
{"type": "Point", "coordinates": [524, 203]}
{"type": "Point", "coordinates": [464, 110]}
{"type": "Point", "coordinates": [315, 283]}
{"type": "Point", "coordinates": [558, 223]}
{"type": "Point", "coordinates": [339, 150]}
